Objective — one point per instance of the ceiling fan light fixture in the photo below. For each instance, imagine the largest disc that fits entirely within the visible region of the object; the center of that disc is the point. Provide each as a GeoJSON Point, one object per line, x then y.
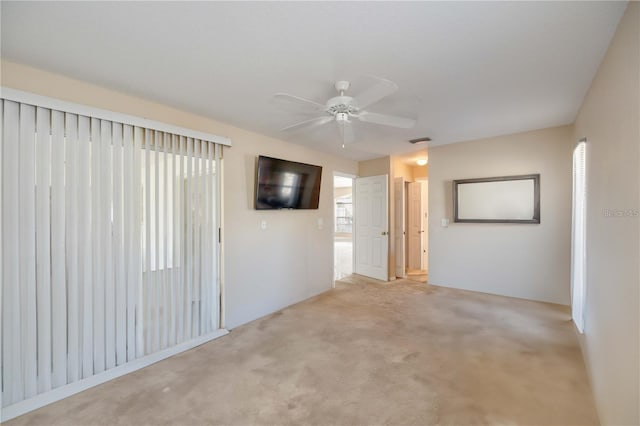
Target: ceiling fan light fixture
{"type": "Point", "coordinates": [421, 162]}
{"type": "Point", "coordinates": [342, 117]}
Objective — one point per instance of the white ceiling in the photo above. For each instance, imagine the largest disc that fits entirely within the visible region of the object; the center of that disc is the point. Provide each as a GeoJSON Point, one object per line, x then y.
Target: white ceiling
{"type": "Point", "coordinates": [466, 70]}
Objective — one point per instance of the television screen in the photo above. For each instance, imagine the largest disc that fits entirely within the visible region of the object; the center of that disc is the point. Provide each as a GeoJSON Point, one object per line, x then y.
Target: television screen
{"type": "Point", "coordinates": [283, 184]}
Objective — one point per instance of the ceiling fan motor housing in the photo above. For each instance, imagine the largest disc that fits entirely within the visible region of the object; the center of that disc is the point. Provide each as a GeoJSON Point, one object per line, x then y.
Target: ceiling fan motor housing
{"type": "Point", "coordinates": [342, 105]}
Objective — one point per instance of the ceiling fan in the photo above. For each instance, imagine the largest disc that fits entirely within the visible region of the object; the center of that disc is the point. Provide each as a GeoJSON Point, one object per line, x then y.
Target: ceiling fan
{"type": "Point", "coordinates": [343, 109]}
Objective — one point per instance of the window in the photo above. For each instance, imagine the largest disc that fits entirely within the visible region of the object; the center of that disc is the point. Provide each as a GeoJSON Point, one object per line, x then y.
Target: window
{"type": "Point", "coordinates": [578, 243]}
{"type": "Point", "coordinates": [344, 214]}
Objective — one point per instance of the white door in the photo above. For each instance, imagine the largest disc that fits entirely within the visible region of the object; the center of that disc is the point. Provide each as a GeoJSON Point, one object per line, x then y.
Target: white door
{"type": "Point", "coordinates": [425, 225]}
{"type": "Point", "coordinates": [414, 228]}
{"type": "Point", "coordinates": [398, 226]}
{"type": "Point", "coordinates": [371, 227]}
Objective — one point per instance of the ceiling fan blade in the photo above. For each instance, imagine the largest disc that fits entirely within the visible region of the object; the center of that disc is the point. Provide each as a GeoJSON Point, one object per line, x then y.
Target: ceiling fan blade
{"type": "Point", "coordinates": [308, 124]}
{"type": "Point", "coordinates": [387, 120]}
{"type": "Point", "coordinates": [346, 132]}
{"type": "Point", "coordinates": [373, 94]}
{"type": "Point", "coordinates": [300, 104]}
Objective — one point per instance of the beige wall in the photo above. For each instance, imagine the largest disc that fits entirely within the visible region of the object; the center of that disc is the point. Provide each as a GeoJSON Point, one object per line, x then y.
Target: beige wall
{"type": "Point", "coordinates": [375, 167]}
{"type": "Point", "coordinates": [410, 172]}
{"type": "Point", "coordinates": [420, 172]}
{"type": "Point", "coordinates": [520, 260]}
{"type": "Point", "coordinates": [399, 168]}
{"type": "Point", "coordinates": [610, 120]}
{"type": "Point", "coordinates": [292, 259]}
{"type": "Point", "coordinates": [264, 270]}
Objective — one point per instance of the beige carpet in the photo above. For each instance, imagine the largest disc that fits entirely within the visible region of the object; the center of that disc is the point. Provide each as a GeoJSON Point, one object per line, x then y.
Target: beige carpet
{"type": "Point", "coordinates": [366, 353]}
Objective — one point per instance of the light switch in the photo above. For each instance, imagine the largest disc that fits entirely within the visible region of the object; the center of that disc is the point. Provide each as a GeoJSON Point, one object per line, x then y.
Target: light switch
{"type": "Point", "coordinates": [444, 222]}
{"type": "Point", "coordinates": [320, 223]}
{"type": "Point", "coordinates": [263, 225]}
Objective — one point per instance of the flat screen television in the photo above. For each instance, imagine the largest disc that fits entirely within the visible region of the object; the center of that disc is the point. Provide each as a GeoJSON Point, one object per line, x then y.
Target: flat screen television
{"type": "Point", "coordinates": [283, 184]}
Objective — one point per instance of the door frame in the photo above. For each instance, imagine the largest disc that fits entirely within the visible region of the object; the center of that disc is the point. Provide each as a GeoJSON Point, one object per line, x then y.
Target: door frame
{"type": "Point", "coordinates": [400, 234]}
{"type": "Point", "coordinates": [425, 222]}
{"type": "Point", "coordinates": [333, 222]}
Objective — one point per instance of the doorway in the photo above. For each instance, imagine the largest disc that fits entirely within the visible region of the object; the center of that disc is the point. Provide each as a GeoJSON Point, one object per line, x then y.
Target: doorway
{"type": "Point", "coordinates": [417, 230]}
{"type": "Point", "coordinates": [410, 213]}
{"type": "Point", "coordinates": [343, 225]}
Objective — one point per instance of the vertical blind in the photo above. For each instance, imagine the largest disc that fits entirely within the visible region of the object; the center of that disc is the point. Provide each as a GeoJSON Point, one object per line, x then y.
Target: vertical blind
{"type": "Point", "coordinates": [578, 244]}
{"type": "Point", "coordinates": [109, 245]}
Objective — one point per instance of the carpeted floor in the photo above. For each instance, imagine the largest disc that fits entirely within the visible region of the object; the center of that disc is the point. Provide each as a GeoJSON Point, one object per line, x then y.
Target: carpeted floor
{"type": "Point", "coordinates": [366, 353]}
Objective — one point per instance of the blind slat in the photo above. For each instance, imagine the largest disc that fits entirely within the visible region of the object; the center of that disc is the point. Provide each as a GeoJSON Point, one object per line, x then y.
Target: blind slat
{"type": "Point", "coordinates": [189, 242]}
{"type": "Point", "coordinates": [85, 242]}
{"type": "Point", "coordinates": [174, 238]}
{"type": "Point", "coordinates": [215, 214]}
{"type": "Point", "coordinates": [166, 303]}
{"type": "Point", "coordinates": [137, 287]}
{"type": "Point", "coordinates": [197, 217]}
{"type": "Point", "coordinates": [28, 250]}
{"type": "Point", "coordinates": [148, 284]}
{"type": "Point", "coordinates": [2, 391]}
{"type": "Point", "coordinates": [128, 218]}
{"type": "Point", "coordinates": [157, 274]}
{"type": "Point", "coordinates": [106, 138]}
{"type": "Point", "coordinates": [216, 238]}
{"type": "Point", "coordinates": [13, 389]}
{"type": "Point", "coordinates": [206, 242]}
{"type": "Point", "coordinates": [119, 249]}
{"type": "Point", "coordinates": [43, 246]}
{"type": "Point", "coordinates": [74, 370]}
{"type": "Point", "coordinates": [58, 283]}
{"type": "Point", "coordinates": [181, 314]}
{"type": "Point", "coordinates": [98, 246]}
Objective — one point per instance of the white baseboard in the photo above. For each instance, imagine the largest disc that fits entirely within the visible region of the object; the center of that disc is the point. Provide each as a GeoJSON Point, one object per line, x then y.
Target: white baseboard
{"type": "Point", "coordinates": [65, 391]}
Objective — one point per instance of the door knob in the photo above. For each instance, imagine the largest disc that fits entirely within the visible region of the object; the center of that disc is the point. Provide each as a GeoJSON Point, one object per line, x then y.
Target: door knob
{"type": "Point", "coordinates": [384, 233]}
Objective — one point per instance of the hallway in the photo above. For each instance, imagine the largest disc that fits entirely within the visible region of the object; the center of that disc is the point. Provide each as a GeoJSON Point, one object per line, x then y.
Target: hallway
{"type": "Point", "coordinates": [343, 257]}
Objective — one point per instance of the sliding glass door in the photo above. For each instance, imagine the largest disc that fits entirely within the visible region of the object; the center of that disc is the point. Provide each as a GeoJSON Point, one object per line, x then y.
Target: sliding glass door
{"type": "Point", "coordinates": [110, 249]}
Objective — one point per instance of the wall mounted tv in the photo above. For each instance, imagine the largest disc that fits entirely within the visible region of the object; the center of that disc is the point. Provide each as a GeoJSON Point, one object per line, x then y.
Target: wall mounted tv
{"type": "Point", "coordinates": [283, 184]}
